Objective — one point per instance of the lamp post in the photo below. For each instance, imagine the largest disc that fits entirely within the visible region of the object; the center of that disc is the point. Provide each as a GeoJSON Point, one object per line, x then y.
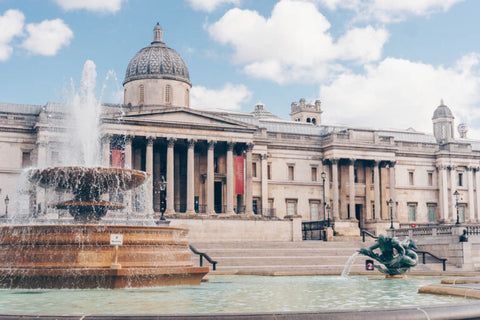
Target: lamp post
{"type": "Point", "coordinates": [7, 200]}
{"type": "Point", "coordinates": [390, 204]}
{"type": "Point", "coordinates": [163, 205]}
{"type": "Point", "coordinates": [457, 194]}
{"type": "Point", "coordinates": [327, 207]}
{"type": "Point", "coordinates": [324, 175]}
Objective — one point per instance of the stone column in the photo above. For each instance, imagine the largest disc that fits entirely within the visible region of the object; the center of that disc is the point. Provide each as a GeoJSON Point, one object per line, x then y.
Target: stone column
{"type": "Point", "coordinates": [392, 186]}
{"type": "Point", "coordinates": [128, 152]}
{"type": "Point", "coordinates": [191, 177]}
{"type": "Point", "coordinates": [149, 170]}
{"type": "Point", "coordinates": [264, 158]}
{"type": "Point", "coordinates": [248, 182]}
{"type": "Point", "coordinates": [376, 190]}
{"type": "Point", "coordinates": [452, 214]}
{"type": "Point", "coordinates": [106, 150]}
{"type": "Point", "coordinates": [326, 201]}
{"type": "Point", "coordinates": [477, 186]}
{"type": "Point", "coordinates": [230, 179]}
{"type": "Point", "coordinates": [335, 211]}
{"type": "Point", "coordinates": [210, 178]}
{"type": "Point", "coordinates": [351, 185]}
{"type": "Point", "coordinates": [170, 177]}
{"type": "Point", "coordinates": [443, 197]}
{"type": "Point", "coordinates": [128, 164]}
{"type": "Point", "coordinates": [471, 200]}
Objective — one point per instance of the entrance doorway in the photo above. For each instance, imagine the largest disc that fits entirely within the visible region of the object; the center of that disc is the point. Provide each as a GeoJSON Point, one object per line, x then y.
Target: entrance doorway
{"type": "Point", "coordinates": [218, 197]}
{"type": "Point", "coordinates": [359, 215]}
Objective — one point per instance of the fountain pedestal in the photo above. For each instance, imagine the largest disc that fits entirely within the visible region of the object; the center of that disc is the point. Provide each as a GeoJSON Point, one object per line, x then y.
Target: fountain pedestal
{"type": "Point", "coordinates": [80, 256]}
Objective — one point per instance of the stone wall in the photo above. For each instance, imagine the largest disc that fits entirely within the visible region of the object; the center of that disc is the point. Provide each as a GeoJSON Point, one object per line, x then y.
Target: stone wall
{"type": "Point", "coordinates": [206, 230]}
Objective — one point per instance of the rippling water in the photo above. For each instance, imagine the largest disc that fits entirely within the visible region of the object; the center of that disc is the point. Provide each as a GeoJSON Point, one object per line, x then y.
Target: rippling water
{"type": "Point", "coordinates": [231, 294]}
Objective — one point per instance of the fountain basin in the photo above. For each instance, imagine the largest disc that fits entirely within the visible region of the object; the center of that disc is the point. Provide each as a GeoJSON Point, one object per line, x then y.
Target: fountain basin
{"type": "Point", "coordinates": [80, 256]}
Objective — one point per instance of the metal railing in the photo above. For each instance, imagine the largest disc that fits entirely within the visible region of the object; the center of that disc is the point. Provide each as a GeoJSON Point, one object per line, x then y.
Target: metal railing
{"type": "Point", "coordinates": [424, 253]}
{"type": "Point", "coordinates": [202, 255]}
{"type": "Point", "coordinates": [314, 230]}
{"type": "Point", "coordinates": [371, 235]}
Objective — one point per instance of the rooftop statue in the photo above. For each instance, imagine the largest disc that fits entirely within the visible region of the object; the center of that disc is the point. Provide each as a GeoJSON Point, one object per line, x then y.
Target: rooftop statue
{"type": "Point", "coordinates": [396, 256]}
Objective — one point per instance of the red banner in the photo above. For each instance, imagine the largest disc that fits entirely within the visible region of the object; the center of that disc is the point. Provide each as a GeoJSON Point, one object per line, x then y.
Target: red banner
{"type": "Point", "coordinates": [239, 175]}
{"type": "Point", "coordinates": [117, 158]}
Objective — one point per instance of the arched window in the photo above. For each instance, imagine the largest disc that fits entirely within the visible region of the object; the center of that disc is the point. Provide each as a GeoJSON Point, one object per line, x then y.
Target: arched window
{"type": "Point", "coordinates": [187, 98]}
{"type": "Point", "coordinates": [314, 121]}
{"type": "Point", "coordinates": [308, 120]}
{"type": "Point", "coordinates": [168, 94]}
{"type": "Point", "coordinates": [141, 96]}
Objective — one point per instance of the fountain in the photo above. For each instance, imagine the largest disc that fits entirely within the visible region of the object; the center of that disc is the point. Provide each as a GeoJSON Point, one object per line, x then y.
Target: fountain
{"type": "Point", "coordinates": [86, 253]}
{"type": "Point", "coordinates": [396, 256]}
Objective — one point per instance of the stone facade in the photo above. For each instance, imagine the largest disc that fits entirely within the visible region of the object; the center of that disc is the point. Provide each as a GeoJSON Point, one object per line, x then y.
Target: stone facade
{"type": "Point", "coordinates": [291, 167]}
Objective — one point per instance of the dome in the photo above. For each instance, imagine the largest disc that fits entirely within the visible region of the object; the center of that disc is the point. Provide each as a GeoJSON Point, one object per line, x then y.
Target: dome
{"type": "Point", "coordinates": [157, 61]}
{"type": "Point", "coordinates": [442, 111]}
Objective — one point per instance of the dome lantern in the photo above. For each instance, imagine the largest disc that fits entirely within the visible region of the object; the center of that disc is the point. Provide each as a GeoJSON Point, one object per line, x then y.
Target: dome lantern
{"type": "Point", "coordinates": [157, 34]}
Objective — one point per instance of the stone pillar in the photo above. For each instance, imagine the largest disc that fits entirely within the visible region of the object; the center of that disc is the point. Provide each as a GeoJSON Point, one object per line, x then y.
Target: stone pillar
{"type": "Point", "coordinates": [392, 186]}
{"type": "Point", "coordinates": [248, 182]}
{"type": "Point", "coordinates": [170, 177]}
{"type": "Point", "coordinates": [443, 192]}
{"type": "Point", "coordinates": [128, 164]}
{"type": "Point", "coordinates": [106, 150]}
{"type": "Point", "coordinates": [335, 211]}
{"type": "Point", "coordinates": [477, 186]}
{"type": "Point", "coordinates": [471, 199]}
{"type": "Point", "coordinates": [264, 184]}
{"type": "Point", "coordinates": [128, 152]}
{"type": "Point", "coordinates": [452, 214]}
{"type": "Point", "coordinates": [191, 177]}
{"type": "Point", "coordinates": [149, 170]}
{"type": "Point", "coordinates": [230, 179]}
{"type": "Point", "coordinates": [376, 190]}
{"type": "Point", "coordinates": [210, 178]}
{"type": "Point", "coordinates": [351, 185]}
{"type": "Point", "coordinates": [327, 189]}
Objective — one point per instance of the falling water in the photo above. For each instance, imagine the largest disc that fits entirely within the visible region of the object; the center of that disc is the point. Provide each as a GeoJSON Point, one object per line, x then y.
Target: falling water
{"type": "Point", "coordinates": [349, 264]}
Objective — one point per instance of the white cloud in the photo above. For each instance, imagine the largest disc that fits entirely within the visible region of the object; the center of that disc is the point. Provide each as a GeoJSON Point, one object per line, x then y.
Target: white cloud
{"type": "Point", "coordinates": [104, 6]}
{"type": "Point", "coordinates": [294, 44]}
{"type": "Point", "coordinates": [388, 10]}
{"type": "Point", "coordinates": [399, 93]}
{"type": "Point", "coordinates": [210, 5]}
{"type": "Point", "coordinates": [11, 25]}
{"type": "Point", "coordinates": [47, 37]}
{"type": "Point", "coordinates": [230, 97]}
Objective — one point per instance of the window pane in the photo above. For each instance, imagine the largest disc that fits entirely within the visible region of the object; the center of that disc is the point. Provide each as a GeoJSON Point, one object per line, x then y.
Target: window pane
{"type": "Point", "coordinates": [412, 213]}
{"type": "Point", "coordinates": [431, 214]}
{"type": "Point", "coordinates": [314, 210]}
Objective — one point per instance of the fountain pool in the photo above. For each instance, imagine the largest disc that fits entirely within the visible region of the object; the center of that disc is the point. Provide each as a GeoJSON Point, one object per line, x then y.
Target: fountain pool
{"type": "Point", "coordinates": [232, 294]}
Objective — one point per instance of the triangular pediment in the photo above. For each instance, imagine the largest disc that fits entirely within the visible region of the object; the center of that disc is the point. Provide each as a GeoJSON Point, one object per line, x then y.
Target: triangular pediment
{"type": "Point", "coordinates": [185, 116]}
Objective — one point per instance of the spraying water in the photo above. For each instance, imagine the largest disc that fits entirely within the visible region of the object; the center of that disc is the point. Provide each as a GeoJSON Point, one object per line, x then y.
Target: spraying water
{"type": "Point", "coordinates": [349, 264]}
{"type": "Point", "coordinates": [83, 121]}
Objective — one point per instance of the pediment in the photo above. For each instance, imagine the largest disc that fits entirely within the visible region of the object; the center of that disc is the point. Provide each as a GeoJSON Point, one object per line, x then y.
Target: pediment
{"type": "Point", "coordinates": [186, 117]}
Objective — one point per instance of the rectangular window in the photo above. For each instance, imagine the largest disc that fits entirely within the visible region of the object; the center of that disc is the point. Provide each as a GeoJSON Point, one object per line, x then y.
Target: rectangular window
{"type": "Point", "coordinates": [291, 207]}
{"type": "Point", "coordinates": [291, 173]}
{"type": "Point", "coordinates": [410, 178]}
{"type": "Point", "coordinates": [373, 211]}
{"type": "Point", "coordinates": [26, 160]}
{"type": "Point", "coordinates": [254, 169]}
{"type": "Point", "coordinates": [431, 213]}
{"type": "Point", "coordinates": [373, 176]}
{"type": "Point", "coordinates": [430, 178]}
{"type": "Point", "coordinates": [269, 171]}
{"type": "Point", "coordinates": [314, 173]}
{"type": "Point", "coordinates": [314, 210]}
{"type": "Point", "coordinates": [355, 174]}
{"type": "Point", "coordinates": [412, 212]}
{"type": "Point", "coordinates": [460, 179]}
{"type": "Point", "coordinates": [461, 213]}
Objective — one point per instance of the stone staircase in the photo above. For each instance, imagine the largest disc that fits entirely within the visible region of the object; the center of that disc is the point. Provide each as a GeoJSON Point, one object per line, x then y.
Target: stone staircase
{"type": "Point", "coordinates": [292, 258]}
{"type": "Point", "coordinates": [306, 257]}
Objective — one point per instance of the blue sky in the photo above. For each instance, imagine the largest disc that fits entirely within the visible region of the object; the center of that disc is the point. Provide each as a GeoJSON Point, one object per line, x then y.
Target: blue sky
{"type": "Point", "coordinates": [372, 63]}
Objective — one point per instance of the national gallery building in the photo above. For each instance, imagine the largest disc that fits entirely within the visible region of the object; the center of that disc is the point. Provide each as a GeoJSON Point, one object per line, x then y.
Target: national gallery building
{"type": "Point", "coordinates": [227, 164]}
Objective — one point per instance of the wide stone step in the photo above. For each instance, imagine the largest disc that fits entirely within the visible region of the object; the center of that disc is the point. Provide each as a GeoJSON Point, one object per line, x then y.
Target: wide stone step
{"type": "Point", "coordinates": [219, 253]}
{"type": "Point", "coordinates": [298, 261]}
{"type": "Point", "coordinates": [284, 245]}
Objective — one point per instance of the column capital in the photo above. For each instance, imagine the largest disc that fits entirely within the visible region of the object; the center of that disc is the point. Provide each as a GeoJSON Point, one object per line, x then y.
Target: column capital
{"type": "Point", "coordinates": [191, 143]}
{"type": "Point", "coordinates": [376, 163]}
{"type": "Point", "coordinates": [392, 164]}
{"type": "Point", "coordinates": [211, 144]}
{"type": "Point", "coordinates": [106, 137]}
{"type": "Point", "coordinates": [171, 142]}
{"type": "Point", "coordinates": [264, 156]}
{"type": "Point", "coordinates": [249, 147]}
{"type": "Point", "coordinates": [351, 161]}
{"type": "Point", "coordinates": [127, 138]}
{"type": "Point", "coordinates": [150, 141]}
{"type": "Point", "coordinates": [230, 145]}
{"type": "Point", "coordinates": [334, 161]}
